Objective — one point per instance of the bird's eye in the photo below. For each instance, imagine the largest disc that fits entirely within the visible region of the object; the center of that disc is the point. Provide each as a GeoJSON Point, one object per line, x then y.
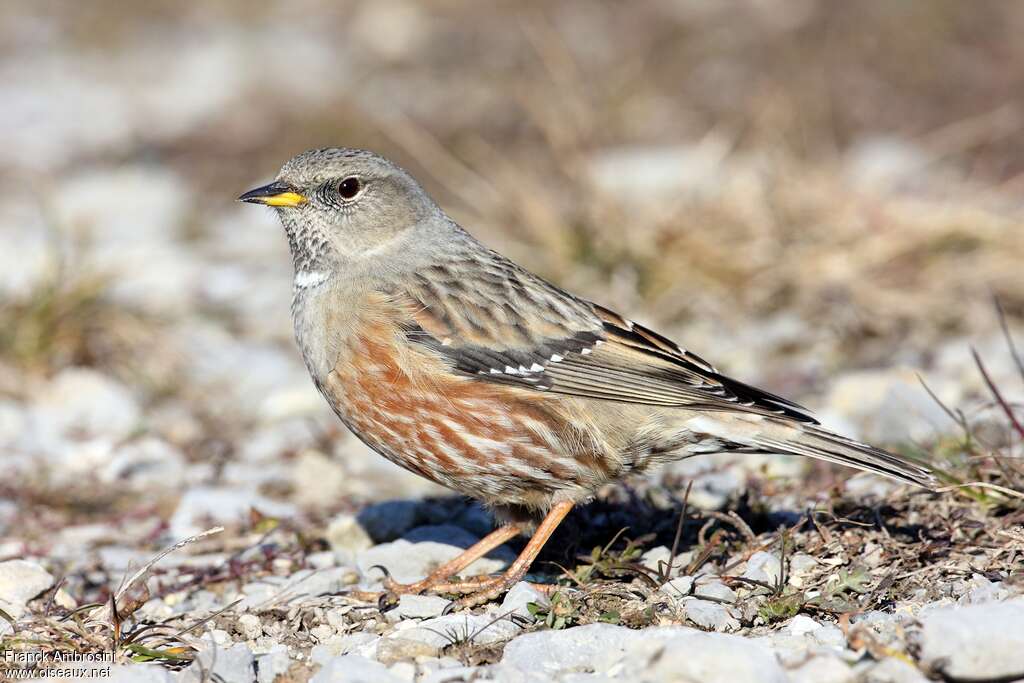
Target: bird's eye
{"type": "Point", "coordinates": [349, 187]}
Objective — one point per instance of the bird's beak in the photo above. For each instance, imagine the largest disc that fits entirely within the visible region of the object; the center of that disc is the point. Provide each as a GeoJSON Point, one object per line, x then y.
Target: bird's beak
{"type": "Point", "coordinates": [276, 193]}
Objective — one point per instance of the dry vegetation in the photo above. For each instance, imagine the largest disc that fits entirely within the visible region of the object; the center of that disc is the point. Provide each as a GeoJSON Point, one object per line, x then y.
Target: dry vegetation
{"type": "Point", "coordinates": [781, 224]}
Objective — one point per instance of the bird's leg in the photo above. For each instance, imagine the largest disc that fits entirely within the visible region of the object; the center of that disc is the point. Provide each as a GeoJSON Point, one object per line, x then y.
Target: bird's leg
{"type": "Point", "coordinates": [488, 590]}
{"type": "Point", "coordinates": [457, 564]}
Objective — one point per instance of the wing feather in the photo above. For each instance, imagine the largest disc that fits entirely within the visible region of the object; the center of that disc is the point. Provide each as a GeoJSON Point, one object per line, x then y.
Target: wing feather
{"type": "Point", "coordinates": [511, 327]}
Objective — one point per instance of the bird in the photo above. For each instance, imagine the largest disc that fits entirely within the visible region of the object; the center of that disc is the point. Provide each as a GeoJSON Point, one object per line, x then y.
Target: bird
{"type": "Point", "coordinates": [457, 364]}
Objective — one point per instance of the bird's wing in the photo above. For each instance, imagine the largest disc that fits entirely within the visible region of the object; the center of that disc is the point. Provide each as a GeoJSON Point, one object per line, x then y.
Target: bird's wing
{"type": "Point", "coordinates": [498, 323]}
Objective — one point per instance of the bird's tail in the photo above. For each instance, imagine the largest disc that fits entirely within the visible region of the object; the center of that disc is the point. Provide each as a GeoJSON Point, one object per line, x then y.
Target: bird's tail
{"type": "Point", "coordinates": [815, 442]}
{"type": "Point", "coordinates": [783, 436]}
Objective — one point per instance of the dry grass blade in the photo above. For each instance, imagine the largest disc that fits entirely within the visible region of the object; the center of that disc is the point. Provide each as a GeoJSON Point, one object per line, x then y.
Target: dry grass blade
{"type": "Point", "coordinates": [199, 623]}
{"type": "Point", "coordinates": [997, 394]}
{"type": "Point", "coordinates": [955, 416]}
{"type": "Point", "coordinates": [144, 571]}
{"type": "Point", "coordinates": [679, 532]}
{"type": "Point", "coordinates": [983, 485]}
{"type": "Point", "coordinates": [1004, 326]}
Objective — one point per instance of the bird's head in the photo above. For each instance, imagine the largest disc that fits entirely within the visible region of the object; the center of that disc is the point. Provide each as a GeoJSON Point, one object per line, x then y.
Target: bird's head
{"type": "Point", "coordinates": [342, 205]}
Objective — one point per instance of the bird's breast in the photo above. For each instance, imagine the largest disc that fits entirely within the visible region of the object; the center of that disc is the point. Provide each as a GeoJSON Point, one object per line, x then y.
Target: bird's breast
{"type": "Point", "coordinates": [493, 442]}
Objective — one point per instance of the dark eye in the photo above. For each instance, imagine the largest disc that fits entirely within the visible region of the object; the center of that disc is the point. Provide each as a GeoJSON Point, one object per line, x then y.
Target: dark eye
{"type": "Point", "coordinates": [349, 187]}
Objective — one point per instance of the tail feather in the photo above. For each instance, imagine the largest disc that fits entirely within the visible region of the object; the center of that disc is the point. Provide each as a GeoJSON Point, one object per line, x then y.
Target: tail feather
{"type": "Point", "coordinates": [765, 434]}
{"type": "Point", "coordinates": [815, 442]}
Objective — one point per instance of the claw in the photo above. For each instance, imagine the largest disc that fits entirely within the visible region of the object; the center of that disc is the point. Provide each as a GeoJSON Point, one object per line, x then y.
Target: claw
{"type": "Point", "coordinates": [390, 585]}
{"type": "Point", "coordinates": [383, 570]}
{"type": "Point", "coordinates": [387, 602]}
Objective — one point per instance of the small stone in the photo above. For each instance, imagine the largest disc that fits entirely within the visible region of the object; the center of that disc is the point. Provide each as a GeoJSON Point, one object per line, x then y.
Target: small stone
{"type": "Point", "coordinates": [222, 505]}
{"type": "Point", "coordinates": [475, 519]}
{"type": "Point", "coordinates": [346, 533]}
{"type": "Point", "coordinates": [389, 520]}
{"type": "Point", "coordinates": [801, 624]}
{"type": "Point", "coordinates": [449, 534]}
{"type": "Point", "coordinates": [250, 626]}
{"type": "Point", "coordinates": [321, 560]}
{"type": "Point", "coordinates": [711, 615]}
{"type": "Point", "coordinates": [354, 669]}
{"type": "Point", "coordinates": [656, 558]}
{"type": "Point", "coordinates": [272, 663]}
{"type": "Point", "coordinates": [80, 401]}
{"type": "Point", "coordinates": [477, 628]}
{"type": "Point", "coordinates": [362, 644]}
{"type": "Point", "coordinates": [704, 657]}
{"type": "Point", "coordinates": [463, 674]}
{"type": "Point", "coordinates": [830, 636]}
{"type": "Point", "coordinates": [235, 663]}
{"type": "Point", "coordinates": [801, 566]}
{"type": "Point", "coordinates": [20, 581]}
{"type": "Point", "coordinates": [979, 641]}
{"type": "Point", "coordinates": [545, 654]}
{"type": "Point", "coordinates": [885, 628]}
{"type": "Point", "coordinates": [979, 590]}
{"type": "Point", "coordinates": [418, 607]}
{"type": "Point", "coordinates": [409, 562]}
{"type": "Point", "coordinates": [822, 669]}
{"type": "Point", "coordinates": [889, 405]}
{"type": "Point", "coordinates": [221, 638]}
{"type": "Point", "coordinates": [763, 567]}
{"type": "Point", "coordinates": [321, 581]}
{"type": "Point", "coordinates": [405, 670]}
{"type": "Point", "coordinates": [717, 590]}
{"type": "Point", "coordinates": [518, 599]}
{"type": "Point", "coordinates": [148, 462]}
{"type": "Point", "coordinates": [317, 479]}
{"type": "Point", "coordinates": [678, 587]}
{"type": "Point", "coordinates": [395, 649]}
{"type": "Point", "coordinates": [64, 599]}
{"type": "Point", "coordinates": [893, 670]}
{"type": "Point", "coordinates": [322, 632]}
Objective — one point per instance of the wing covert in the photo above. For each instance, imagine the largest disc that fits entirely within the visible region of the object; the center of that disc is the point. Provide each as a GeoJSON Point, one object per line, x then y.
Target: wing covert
{"type": "Point", "coordinates": [508, 326]}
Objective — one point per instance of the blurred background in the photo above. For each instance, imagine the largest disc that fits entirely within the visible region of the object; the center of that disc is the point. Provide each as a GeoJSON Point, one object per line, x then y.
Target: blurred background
{"type": "Point", "coordinates": [821, 197]}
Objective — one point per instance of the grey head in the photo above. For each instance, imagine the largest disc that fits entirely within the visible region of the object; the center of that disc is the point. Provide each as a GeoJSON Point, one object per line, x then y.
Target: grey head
{"type": "Point", "coordinates": [342, 208]}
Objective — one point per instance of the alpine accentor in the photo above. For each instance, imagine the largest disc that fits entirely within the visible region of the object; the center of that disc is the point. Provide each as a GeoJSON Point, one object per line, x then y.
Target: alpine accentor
{"type": "Point", "coordinates": [452, 361]}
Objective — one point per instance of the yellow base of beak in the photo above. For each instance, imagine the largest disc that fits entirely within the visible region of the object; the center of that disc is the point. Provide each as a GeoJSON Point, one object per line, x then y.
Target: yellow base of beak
{"type": "Point", "coordinates": [276, 193]}
{"type": "Point", "coordinates": [284, 199]}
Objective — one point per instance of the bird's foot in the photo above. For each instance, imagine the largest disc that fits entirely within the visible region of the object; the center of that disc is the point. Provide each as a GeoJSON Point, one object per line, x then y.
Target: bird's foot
{"type": "Point", "coordinates": [480, 590]}
{"type": "Point", "coordinates": [476, 590]}
{"type": "Point", "coordinates": [435, 584]}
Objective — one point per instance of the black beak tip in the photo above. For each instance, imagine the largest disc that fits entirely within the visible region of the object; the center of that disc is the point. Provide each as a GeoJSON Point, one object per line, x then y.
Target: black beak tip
{"type": "Point", "coordinates": [255, 196]}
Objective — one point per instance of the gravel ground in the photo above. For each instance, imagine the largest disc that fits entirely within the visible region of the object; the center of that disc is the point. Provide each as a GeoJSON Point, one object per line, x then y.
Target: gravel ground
{"type": "Point", "coordinates": [176, 493]}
